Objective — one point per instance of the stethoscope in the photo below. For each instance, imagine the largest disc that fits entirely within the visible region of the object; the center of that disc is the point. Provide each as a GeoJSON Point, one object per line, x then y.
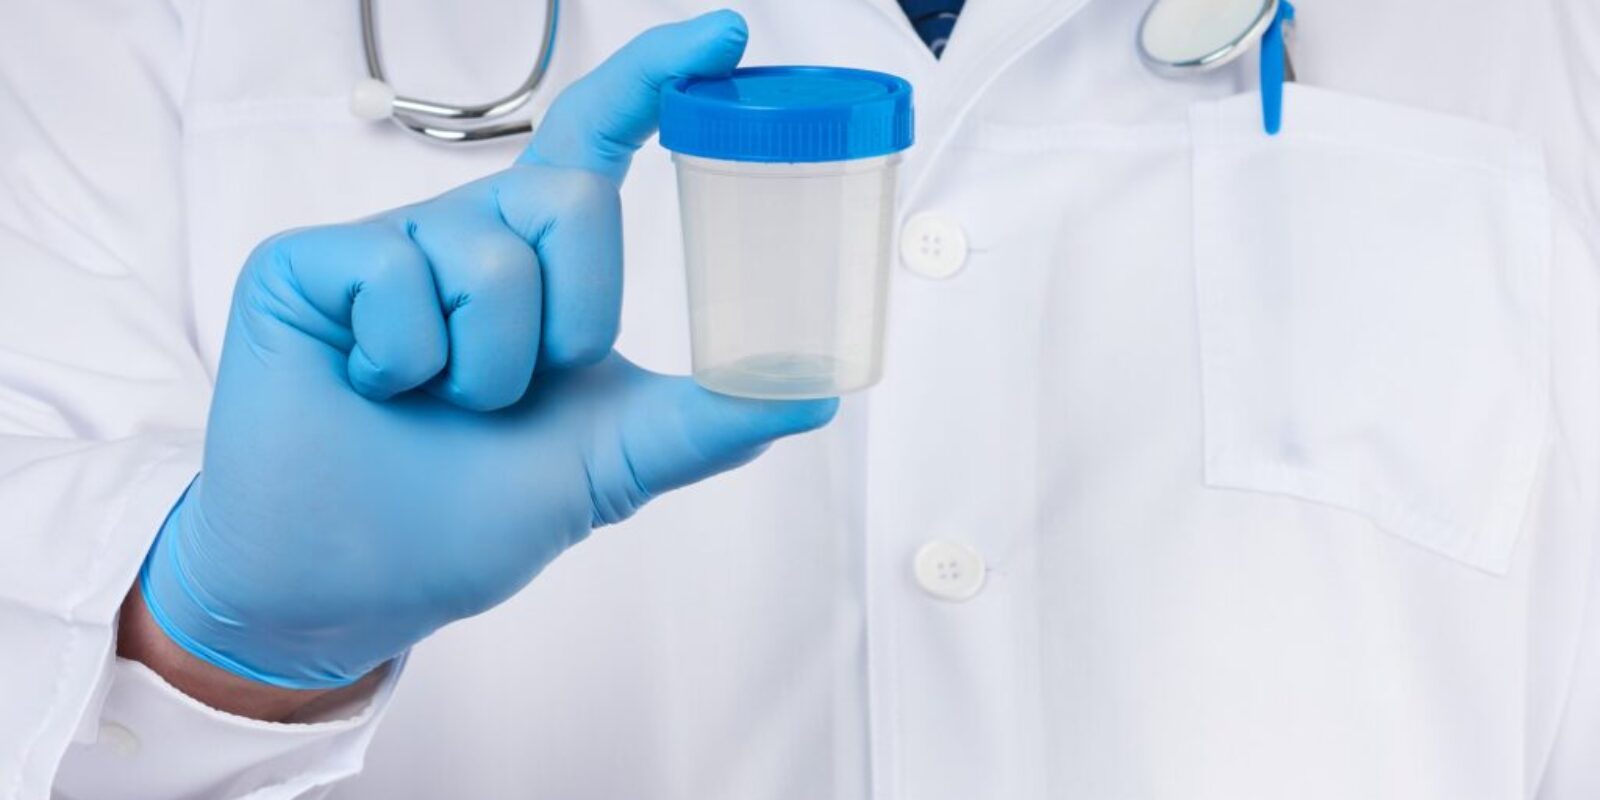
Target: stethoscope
{"type": "Point", "coordinates": [373, 98]}
{"type": "Point", "coordinates": [1177, 39]}
{"type": "Point", "coordinates": [1181, 38]}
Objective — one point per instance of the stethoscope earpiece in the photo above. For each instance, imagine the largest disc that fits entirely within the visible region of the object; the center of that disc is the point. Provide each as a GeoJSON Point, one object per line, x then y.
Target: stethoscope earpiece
{"type": "Point", "coordinates": [372, 99]}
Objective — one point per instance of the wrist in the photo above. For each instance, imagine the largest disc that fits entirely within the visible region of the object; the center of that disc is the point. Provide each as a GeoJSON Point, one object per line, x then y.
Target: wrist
{"type": "Point", "coordinates": [140, 639]}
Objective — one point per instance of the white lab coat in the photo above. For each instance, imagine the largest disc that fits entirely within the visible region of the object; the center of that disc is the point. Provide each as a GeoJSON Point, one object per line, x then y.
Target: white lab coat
{"type": "Point", "coordinates": [1279, 459]}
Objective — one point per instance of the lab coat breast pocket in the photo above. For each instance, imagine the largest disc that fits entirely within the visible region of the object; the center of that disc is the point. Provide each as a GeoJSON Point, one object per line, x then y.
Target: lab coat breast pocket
{"type": "Point", "coordinates": [1372, 290]}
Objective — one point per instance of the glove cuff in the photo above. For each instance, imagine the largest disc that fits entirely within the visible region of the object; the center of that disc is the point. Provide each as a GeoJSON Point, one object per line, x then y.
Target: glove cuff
{"type": "Point", "coordinates": [182, 611]}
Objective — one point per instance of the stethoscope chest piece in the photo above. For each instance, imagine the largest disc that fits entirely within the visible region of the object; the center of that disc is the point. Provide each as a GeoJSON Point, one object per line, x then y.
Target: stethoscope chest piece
{"type": "Point", "coordinates": [1181, 37]}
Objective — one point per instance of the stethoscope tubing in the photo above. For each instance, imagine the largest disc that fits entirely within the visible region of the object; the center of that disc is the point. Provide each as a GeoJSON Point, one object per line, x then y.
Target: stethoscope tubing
{"type": "Point", "coordinates": [450, 123]}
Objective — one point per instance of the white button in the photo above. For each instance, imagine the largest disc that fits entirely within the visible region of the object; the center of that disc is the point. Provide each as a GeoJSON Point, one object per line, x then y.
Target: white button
{"type": "Point", "coordinates": [933, 245]}
{"type": "Point", "coordinates": [119, 739]}
{"type": "Point", "coordinates": [949, 571]}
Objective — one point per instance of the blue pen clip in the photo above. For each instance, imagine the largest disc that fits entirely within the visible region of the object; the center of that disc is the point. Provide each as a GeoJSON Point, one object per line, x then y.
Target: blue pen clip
{"type": "Point", "coordinates": [1275, 67]}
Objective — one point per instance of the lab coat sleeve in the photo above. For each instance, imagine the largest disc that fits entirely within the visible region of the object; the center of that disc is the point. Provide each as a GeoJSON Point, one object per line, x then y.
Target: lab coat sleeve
{"type": "Point", "coordinates": [103, 394]}
{"type": "Point", "coordinates": [1570, 770]}
{"type": "Point", "coordinates": [154, 742]}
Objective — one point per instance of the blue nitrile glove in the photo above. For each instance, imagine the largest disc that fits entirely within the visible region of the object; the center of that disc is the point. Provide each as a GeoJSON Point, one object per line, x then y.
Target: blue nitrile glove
{"type": "Point", "coordinates": [416, 412]}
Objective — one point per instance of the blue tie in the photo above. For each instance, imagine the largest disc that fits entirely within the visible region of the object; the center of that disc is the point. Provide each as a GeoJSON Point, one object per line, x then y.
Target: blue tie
{"type": "Point", "coordinates": [933, 20]}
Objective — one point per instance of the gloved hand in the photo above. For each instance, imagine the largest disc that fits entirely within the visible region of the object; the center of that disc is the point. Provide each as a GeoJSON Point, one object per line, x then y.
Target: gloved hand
{"type": "Point", "coordinates": [416, 412]}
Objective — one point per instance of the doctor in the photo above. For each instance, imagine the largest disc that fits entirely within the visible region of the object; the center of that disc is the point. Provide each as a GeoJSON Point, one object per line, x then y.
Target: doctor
{"type": "Point", "coordinates": [1208, 464]}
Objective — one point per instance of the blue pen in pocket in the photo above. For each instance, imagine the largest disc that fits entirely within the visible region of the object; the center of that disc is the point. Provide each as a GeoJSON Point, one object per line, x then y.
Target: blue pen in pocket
{"type": "Point", "coordinates": [1276, 67]}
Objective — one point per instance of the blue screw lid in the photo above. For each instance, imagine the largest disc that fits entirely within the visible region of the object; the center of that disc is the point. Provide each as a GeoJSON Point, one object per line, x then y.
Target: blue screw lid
{"type": "Point", "coordinates": [788, 114]}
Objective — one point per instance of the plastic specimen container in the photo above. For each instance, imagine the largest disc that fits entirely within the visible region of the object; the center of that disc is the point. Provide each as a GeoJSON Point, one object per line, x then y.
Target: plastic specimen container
{"type": "Point", "coordinates": [786, 189]}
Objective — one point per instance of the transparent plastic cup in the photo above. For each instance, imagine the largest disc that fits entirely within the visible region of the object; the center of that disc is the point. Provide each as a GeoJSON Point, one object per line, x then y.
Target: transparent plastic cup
{"type": "Point", "coordinates": [788, 271]}
{"type": "Point", "coordinates": [786, 189]}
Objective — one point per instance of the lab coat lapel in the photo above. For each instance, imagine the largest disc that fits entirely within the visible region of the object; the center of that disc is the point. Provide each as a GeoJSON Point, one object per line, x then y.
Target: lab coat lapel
{"type": "Point", "coordinates": [902, 25]}
{"type": "Point", "coordinates": [990, 36]}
